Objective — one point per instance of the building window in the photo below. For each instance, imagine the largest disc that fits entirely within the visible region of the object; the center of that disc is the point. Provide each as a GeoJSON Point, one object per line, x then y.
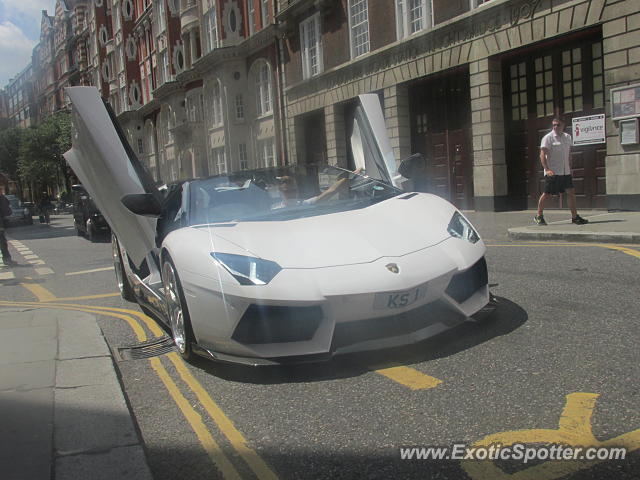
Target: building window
{"type": "Point", "coordinates": [572, 80]}
{"type": "Point", "coordinates": [218, 161]}
{"type": "Point", "coordinates": [411, 17]}
{"type": "Point", "coordinates": [211, 29]}
{"type": "Point", "coordinates": [216, 98]}
{"type": "Point", "coordinates": [242, 156]}
{"type": "Point", "coordinates": [359, 27]}
{"type": "Point", "coordinates": [544, 86]}
{"type": "Point", "coordinates": [518, 76]}
{"type": "Point", "coordinates": [311, 47]}
{"type": "Point", "coordinates": [264, 12]}
{"type": "Point", "coordinates": [598, 75]}
{"type": "Point", "coordinates": [266, 153]}
{"type": "Point", "coordinates": [263, 89]}
{"type": "Point", "coordinates": [239, 107]}
{"type": "Point", "coordinates": [127, 10]}
{"type": "Point", "coordinates": [251, 17]}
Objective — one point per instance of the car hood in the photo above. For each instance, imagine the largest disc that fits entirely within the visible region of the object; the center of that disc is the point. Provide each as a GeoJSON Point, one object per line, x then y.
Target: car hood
{"type": "Point", "coordinates": [391, 228]}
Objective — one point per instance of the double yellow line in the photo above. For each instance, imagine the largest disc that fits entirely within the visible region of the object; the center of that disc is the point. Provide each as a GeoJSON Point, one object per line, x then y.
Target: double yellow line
{"type": "Point", "coordinates": [257, 465]}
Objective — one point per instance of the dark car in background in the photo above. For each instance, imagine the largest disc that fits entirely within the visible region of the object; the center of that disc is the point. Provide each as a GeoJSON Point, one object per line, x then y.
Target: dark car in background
{"type": "Point", "coordinates": [87, 218]}
{"type": "Point", "coordinates": [20, 212]}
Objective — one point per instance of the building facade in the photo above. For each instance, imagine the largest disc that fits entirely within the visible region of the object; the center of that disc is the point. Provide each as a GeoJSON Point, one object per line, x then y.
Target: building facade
{"type": "Point", "coordinates": [472, 85]}
{"type": "Point", "coordinates": [19, 100]}
{"type": "Point", "coordinates": [204, 87]}
{"type": "Point", "coordinates": [194, 84]}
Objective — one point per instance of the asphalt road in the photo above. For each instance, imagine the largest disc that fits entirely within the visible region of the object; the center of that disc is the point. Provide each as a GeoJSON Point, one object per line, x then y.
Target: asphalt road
{"type": "Point", "coordinates": [560, 352]}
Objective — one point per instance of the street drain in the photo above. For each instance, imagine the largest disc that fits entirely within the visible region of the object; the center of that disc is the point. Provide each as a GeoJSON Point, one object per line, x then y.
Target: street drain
{"type": "Point", "coordinates": [150, 348]}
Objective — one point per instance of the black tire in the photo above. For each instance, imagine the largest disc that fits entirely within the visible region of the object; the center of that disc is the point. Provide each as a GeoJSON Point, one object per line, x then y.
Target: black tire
{"type": "Point", "coordinates": [126, 291]}
{"type": "Point", "coordinates": [177, 311]}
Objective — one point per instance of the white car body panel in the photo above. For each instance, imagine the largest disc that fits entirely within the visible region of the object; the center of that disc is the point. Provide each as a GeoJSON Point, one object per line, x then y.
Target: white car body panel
{"type": "Point", "coordinates": [344, 238]}
{"type": "Point", "coordinates": [107, 181]}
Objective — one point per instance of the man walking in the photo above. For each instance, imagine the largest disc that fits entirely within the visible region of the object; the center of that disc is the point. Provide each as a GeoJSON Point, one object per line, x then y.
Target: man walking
{"type": "Point", "coordinates": [5, 211]}
{"type": "Point", "coordinates": [554, 156]}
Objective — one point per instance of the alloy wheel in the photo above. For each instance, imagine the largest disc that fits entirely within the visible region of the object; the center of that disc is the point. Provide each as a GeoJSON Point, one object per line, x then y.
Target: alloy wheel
{"type": "Point", "coordinates": [174, 306]}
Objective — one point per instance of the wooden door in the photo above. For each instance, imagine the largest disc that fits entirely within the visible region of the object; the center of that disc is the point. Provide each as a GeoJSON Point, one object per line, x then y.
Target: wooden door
{"type": "Point", "coordinates": [440, 130]}
{"type": "Point", "coordinates": [562, 79]}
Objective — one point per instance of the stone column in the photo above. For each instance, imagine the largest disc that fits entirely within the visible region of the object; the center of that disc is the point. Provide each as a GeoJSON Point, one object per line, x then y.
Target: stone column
{"type": "Point", "coordinates": [487, 119]}
{"type": "Point", "coordinates": [192, 47]}
{"type": "Point", "coordinates": [295, 136]}
{"type": "Point", "coordinates": [621, 49]}
{"type": "Point", "coordinates": [396, 114]}
{"type": "Point", "coordinates": [334, 127]}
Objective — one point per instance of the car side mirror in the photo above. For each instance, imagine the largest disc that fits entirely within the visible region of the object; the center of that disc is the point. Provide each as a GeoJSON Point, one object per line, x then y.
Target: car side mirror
{"type": "Point", "coordinates": [145, 204]}
{"type": "Point", "coordinates": [412, 166]}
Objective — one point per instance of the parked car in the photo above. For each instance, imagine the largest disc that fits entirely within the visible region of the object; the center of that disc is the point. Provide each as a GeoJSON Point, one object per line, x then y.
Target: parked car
{"type": "Point", "coordinates": [86, 217]}
{"type": "Point", "coordinates": [21, 214]}
{"type": "Point", "coordinates": [242, 271]}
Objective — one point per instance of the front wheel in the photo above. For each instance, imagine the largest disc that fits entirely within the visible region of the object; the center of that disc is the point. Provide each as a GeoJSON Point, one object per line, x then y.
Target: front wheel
{"type": "Point", "coordinates": [177, 310]}
{"type": "Point", "coordinates": [126, 292]}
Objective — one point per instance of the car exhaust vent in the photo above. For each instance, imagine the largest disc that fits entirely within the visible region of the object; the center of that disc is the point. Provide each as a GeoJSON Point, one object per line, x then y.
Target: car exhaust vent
{"type": "Point", "coordinates": [466, 283]}
{"type": "Point", "coordinates": [275, 324]}
{"type": "Point", "coordinates": [150, 348]}
{"type": "Point", "coordinates": [408, 196]}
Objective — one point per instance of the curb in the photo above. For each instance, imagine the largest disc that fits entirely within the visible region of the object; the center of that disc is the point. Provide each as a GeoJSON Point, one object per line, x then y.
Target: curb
{"type": "Point", "coordinates": [588, 237]}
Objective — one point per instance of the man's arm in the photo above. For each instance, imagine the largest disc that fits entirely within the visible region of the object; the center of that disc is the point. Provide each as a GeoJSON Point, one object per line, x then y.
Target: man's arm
{"type": "Point", "coordinates": [543, 160]}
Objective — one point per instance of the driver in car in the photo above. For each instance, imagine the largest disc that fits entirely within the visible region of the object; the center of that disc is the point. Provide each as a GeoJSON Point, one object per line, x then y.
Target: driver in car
{"type": "Point", "coordinates": [288, 188]}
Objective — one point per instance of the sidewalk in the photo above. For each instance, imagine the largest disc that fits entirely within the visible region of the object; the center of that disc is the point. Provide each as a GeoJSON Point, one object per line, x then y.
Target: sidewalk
{"type": "Point", "coordinates": [617, 227]}
{"type": "Point", "coordinates": [63, 414]}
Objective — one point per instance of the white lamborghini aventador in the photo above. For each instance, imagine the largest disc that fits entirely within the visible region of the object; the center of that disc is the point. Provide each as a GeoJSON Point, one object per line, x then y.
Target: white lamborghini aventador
{"type": "Point", "coordinates": [286, 263]}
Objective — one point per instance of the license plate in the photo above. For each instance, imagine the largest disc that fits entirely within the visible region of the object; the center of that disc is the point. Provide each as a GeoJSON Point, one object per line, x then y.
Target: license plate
{"type": "Point", "coordinates": [393, 300]}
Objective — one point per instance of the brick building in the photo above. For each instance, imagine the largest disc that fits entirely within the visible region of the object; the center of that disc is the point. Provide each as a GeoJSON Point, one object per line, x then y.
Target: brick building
{"type": "Point", "coordinates": [473, 85]}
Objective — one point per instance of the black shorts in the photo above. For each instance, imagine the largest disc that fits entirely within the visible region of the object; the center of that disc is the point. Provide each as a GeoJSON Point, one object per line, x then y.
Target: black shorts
{"type": "Point", "coordinates": [557, 184]}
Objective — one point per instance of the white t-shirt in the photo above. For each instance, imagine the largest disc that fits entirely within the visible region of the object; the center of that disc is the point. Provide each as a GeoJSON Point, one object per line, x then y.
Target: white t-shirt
{"type": "Point", "coordinates": [558, 148]}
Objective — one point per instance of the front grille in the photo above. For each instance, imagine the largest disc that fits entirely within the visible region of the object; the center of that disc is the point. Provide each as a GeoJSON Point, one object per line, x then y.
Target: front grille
{"type": "Point", "coordinates": [349, 333]}
{"type": "Point", "coordinates": [466, 283]}
{"type": "Point", "coordinates": [276, 324]}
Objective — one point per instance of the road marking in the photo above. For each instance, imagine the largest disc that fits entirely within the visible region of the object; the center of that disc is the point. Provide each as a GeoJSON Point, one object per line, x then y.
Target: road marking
{"type": "Point", "coordinates": [30, 257]}
{"type": "Point", "coordinates": [195, 420]}
{"type": "Point", "coordinates": [226, 426]}
{"type": "Point", "coordinates": [24, 251]}
{"type": "Point", "coordinates": [44, 271]}
{"type": "Point", "coordinates": [620, 248]}
{"type": "Point", "coordinates": [90, 297]}
{"type": "Point", "coordinates": [256, 463]}
{"type": "Point", "coordinates": [410, 377]}
{"type": "Point", "coordinates": [36, 262]}
{"type": "Point", "coordinates": [41, 293]}
{"type": "Point", "coordinates": [7, 276]}
{"type": "Point", "coordinates": [574, 429]}
{"type": "Point", "coordinates": [89, 271]}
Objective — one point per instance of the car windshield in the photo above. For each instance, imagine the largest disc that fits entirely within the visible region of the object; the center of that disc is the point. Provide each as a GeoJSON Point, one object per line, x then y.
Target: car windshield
{"type": "Point", "coordinates": [283, 193]}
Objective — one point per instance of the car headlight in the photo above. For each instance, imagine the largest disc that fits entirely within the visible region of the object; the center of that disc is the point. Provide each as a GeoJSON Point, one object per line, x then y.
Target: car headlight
{"type": "Point", "coordinates": [248, 270]}
{"type": "Point", "coordinates": [459, 227]}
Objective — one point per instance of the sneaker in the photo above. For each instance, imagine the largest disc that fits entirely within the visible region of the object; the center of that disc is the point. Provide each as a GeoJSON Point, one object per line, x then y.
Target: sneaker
{"type": "Point", "coordinates": [539, 219]}
{"type": "Point", "coordinates": [578, 220]}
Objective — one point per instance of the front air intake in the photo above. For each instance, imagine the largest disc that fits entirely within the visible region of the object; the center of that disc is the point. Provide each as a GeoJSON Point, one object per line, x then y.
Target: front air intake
{"type": "Point", "coordinates": [275, 324]}
{"type": "Point", "coordinates": [466, 283]}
